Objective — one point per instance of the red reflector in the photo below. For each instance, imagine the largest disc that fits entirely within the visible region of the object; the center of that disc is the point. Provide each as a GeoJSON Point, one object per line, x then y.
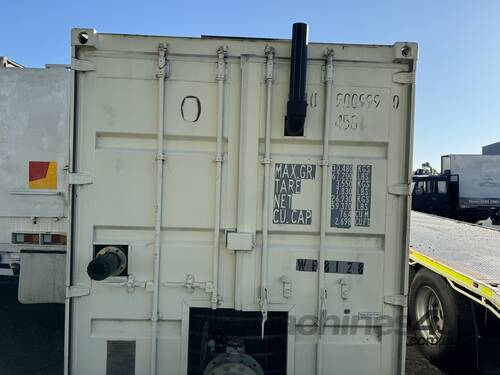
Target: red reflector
{"type": "Point", "coordinates": [26, 238]}
{"type": "Point", "coordinates": [53, 239]}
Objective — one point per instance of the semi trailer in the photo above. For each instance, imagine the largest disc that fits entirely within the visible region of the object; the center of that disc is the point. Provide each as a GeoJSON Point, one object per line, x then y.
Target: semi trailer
{"type": "Point", "coordinates": [237, 205]}
{"type": "Point", "coordinates": [34, 143]}
{"type": "Point", "coordinates": [454, 296]}
{"type": "Point", "coordinates": [467, 189]}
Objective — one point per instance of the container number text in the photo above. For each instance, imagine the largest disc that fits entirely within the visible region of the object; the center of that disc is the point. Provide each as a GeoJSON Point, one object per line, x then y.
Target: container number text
{"type": "Point", "coordinates": [331, 266]}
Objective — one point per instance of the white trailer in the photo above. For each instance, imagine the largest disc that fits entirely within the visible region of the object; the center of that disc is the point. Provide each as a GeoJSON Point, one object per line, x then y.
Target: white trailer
{"type": "Point", "coordinates": [479, 179]}
{"type": "Point", "coordinates": [216, 228]}
{"type": "Point", "coordinates": [34, 137]}
{"type": "Point", "coordinates": [455, 293]}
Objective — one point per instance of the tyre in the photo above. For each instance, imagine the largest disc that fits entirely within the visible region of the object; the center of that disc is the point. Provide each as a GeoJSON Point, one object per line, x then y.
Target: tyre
{"type": "Point", "coordinates": [442, 323]}
{"type": "Point", "coordinates": [411, 273]}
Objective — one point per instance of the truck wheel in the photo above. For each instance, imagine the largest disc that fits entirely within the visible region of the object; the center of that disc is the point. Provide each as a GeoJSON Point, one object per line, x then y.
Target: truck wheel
{"type": "Point", "coordinates": [441, 321]}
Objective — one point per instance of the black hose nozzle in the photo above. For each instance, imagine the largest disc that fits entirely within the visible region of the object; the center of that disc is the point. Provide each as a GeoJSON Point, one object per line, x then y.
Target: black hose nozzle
{"type": "Point", "coordinates": [103, 266]}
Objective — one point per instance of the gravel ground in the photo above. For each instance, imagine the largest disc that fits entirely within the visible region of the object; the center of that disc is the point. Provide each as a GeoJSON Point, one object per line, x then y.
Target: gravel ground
{"type": "Point", "coordinates": [31, 340]}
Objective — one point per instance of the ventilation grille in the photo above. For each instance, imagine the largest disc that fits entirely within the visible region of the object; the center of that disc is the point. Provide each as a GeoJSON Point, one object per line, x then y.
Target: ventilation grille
{"type": "Point", "coordinates": [120, 358]}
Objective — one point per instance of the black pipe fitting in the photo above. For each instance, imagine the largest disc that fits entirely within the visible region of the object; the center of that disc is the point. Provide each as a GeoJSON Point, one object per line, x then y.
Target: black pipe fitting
{"type": "Point", "coordinates": [103, 266]}
{"type": "Point", "coordinates": [297, 101]}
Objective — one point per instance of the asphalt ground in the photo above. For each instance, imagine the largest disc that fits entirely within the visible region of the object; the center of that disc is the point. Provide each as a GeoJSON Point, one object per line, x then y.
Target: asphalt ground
{"type": "Point", "coordinates": [416, 363]}
{"type": "Point", "coordinates": [31, 336]}
{"type": "Point", "coordinates": [31, 339]}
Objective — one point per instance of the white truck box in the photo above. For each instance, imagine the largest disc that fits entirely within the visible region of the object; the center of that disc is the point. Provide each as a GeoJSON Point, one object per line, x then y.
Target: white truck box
{"type": "Point", "coordinates": [183, 175]}
{"type": "Point", "coordinates": [34, 138]}
{"type": "Point", "coordinates": [479, 179]}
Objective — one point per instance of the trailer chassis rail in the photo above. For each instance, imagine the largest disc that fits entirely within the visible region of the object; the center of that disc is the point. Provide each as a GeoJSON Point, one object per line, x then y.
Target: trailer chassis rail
{"type": "Point", "coordinates": [476, 290]}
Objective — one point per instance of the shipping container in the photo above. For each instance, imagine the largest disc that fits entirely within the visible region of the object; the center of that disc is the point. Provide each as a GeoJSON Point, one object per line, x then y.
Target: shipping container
{"type": "Point", "coordinates": [34, 143]}
{"type": "Point", "coordinates": [238, 205]}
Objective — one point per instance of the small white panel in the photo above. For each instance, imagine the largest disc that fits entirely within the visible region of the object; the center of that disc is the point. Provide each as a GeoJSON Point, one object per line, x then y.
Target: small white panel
{"type": "Point", "coordinates": [240, 241]}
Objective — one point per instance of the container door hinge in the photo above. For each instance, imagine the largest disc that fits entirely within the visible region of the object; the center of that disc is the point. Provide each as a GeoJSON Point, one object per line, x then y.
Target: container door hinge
{"type": "Point", "coordinates": [399, 189]}
{"type": "Point", "coordinates": [396, 300]}
{"type": "Point", "coordinates": [404, 77]}
{"type": "Point", "coordinates": [82, 65]}
{"type": "Point", "coordinates": [77, 291]}
{"type": "Point", "coordinates": [80, 178]}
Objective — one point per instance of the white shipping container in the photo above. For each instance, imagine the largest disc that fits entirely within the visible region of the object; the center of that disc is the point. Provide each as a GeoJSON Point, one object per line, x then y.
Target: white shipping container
{"type": "Point", "coordinates": [479, 179]}
{"type": "Point", "coordinates": [232, 242]}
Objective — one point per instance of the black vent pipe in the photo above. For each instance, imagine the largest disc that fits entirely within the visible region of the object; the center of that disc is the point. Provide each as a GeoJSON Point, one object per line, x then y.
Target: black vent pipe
{"type": "Point", "coordinates": [103, 266]}
{"type": "Point", "coordinates": [297, 104]}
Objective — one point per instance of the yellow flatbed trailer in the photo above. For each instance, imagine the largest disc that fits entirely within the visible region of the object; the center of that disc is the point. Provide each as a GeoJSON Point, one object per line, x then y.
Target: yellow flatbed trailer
{"type": "Point", "coordinates": [454, 297]}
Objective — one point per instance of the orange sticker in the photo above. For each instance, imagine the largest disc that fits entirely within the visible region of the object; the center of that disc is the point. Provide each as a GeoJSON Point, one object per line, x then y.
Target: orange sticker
{"type": "Point", "coordinates": [43, 175]}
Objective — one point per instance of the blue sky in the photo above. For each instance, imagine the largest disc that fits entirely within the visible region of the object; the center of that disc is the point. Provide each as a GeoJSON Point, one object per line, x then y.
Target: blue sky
{"type": "Point", "coordinates": [458, 101]}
